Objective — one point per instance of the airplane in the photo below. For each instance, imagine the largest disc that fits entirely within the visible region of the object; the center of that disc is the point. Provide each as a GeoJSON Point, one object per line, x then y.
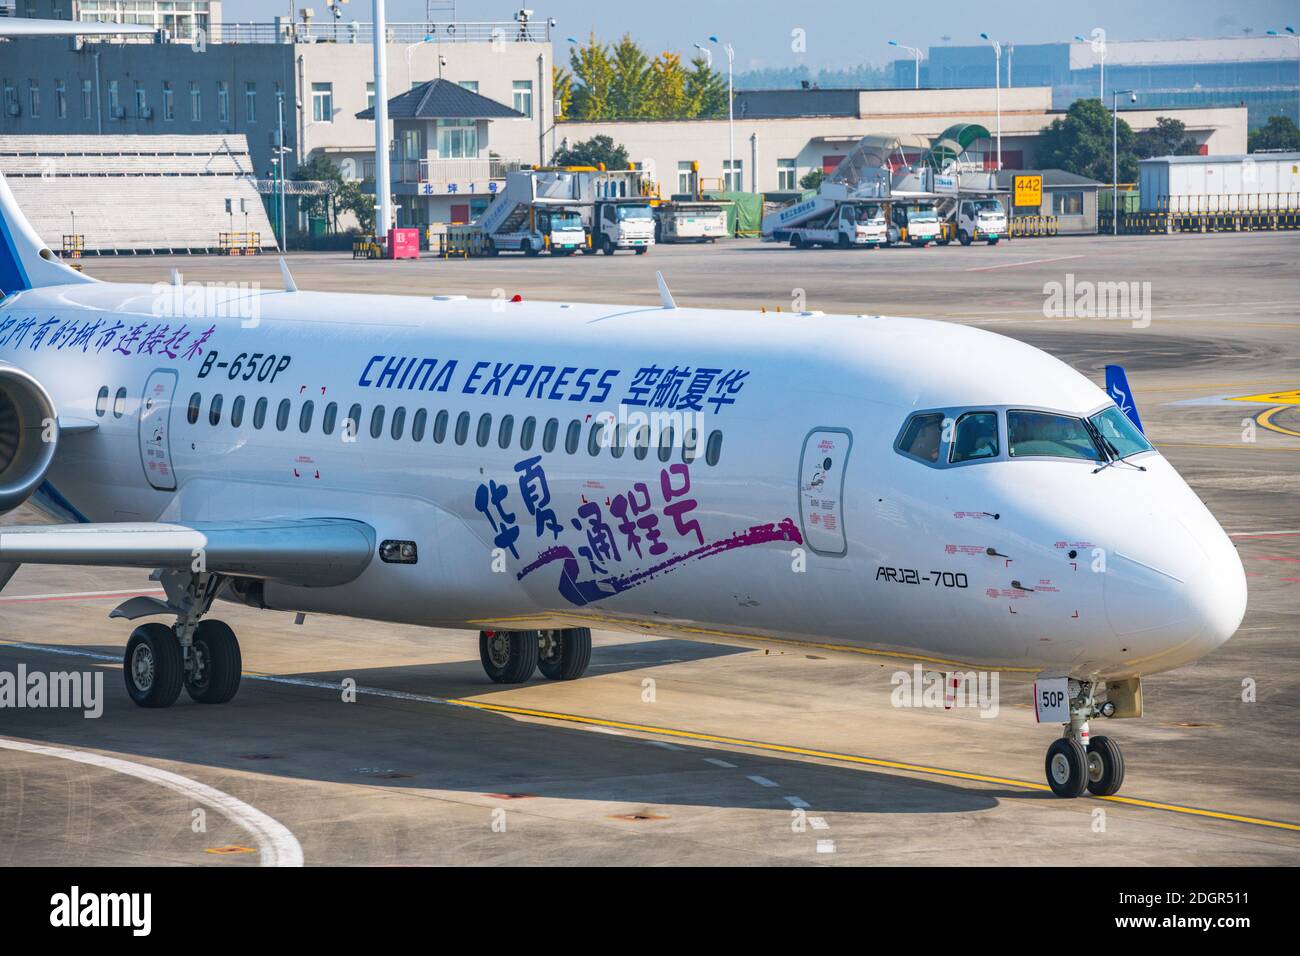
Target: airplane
{"type": "Point", "coordinates": [923, 490]}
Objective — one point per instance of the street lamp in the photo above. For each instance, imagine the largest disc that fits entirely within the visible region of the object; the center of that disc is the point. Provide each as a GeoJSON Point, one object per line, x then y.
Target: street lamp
{"type": "Point", "coordinates": [429, 38]}
{"type": "Point", "coordinates": [731, 111]}
{"type": "Point", "coordinates": [1288, 32]}
{"type": "Point", "coordinates": [997, 85]}
{"type": "Point", "coordinates": [708, 54]}
{"type": "Point", "coordinates": [916, 54]}
{"type": "Point", "coordinates": [1114, 155]}
{"type": "Point", "coordinates": [1098, 44]}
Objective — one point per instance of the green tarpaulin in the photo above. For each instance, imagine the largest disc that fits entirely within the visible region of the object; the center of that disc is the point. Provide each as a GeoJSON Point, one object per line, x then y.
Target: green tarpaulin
{"type": "Point", "coordinates": [744, 215]}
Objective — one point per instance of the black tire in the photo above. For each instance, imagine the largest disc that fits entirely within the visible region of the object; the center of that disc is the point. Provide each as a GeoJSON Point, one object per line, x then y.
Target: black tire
{"type": "Point", "coordinates": [217, 666]}
{"type": "Point", "coordinates": [842, 241]}
{"type": "Point", "coordinates": [963, 237]}
{"type": "Point", "coordinates": [509, 657]}
{"type": "Point", "coordinates": [152, 666]}
{"type": "Point", "coordinates": [642, 250]}
{"type": "Point", "coordinates": [570, 654]}
{"type": "Point", "coordinates": [607, 245]}
{"type": "Point", "coordinates": [796, 241]}
{"type": "Point", "coordinates": [994, 240]}
{"type": "Point", "coordinates": [491, 248]}
{"type": "Point", "coordinates": [1105, 767]}
{"type": "Point", "coordinates": [1067, 768]}
{"type": "Point", "coordinates": [528, 248]}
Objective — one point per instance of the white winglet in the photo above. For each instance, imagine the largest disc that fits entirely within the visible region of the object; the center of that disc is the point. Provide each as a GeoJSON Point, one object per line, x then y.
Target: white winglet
{"type": "Point", "coordinates": [289, 284]}
{"type": "Point", "coordinates": [665, 297]}
{"type": "Point", "coordinates": [176, 277]}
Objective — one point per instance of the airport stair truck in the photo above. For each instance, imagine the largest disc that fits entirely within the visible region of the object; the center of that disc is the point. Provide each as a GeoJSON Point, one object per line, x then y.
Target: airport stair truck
{"type": "Point", "coordinates": [537, 210]}
{"type": "Point", "coordinates": [837, 216]}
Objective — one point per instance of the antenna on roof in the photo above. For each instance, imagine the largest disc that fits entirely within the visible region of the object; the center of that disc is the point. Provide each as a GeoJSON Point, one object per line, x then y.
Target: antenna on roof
{"type": "Point", "coordinates": [289, 284]}
{"type": "Point", "coordinates": [665, 297]}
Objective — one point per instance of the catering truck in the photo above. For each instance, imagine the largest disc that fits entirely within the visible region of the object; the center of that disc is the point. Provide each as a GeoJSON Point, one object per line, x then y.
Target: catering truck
{"type": "Point", "coordinates": [690, 221]}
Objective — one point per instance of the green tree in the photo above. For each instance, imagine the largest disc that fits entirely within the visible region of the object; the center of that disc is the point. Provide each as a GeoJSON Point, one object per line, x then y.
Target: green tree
{"type": "Point", "coordinates": [1080, 143]}
{"type": "Point", "coordinates": [706, 90]}
{"type": "Point", "coordinates": [666, 93]}
{"type": "Point", "coordinates": [562, 87]}
{"type": "Point", "coordinates": [1167, 138]}
{"type": "Point", "coordinates": [593, 152]}
{"type": "Point", "coordinates": [1279, 132]}
{"type": "Point", "coordinates": [811, 179]}
{"type": "Point", "coordinates": [341, 195]}
{"type": "Point", "coordinates": [593, 74]}
{"type": "Point", "coordinates": [628, 93]}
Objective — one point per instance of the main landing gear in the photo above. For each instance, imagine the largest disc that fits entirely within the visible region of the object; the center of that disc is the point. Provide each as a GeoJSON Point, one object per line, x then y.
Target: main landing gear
{"type": "Point", "coordinates": [510, 657]}
{"type": "Point", "coordinates": [201, 656]}
{"type": "Point", "coordinates": [1078, 762]}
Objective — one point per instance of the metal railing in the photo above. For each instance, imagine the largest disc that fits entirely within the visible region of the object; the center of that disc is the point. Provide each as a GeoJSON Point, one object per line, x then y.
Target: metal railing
{"type": "Point", "coordinates": [446, 170]}
{"type": "Point", "coordinates": [284, 31]}
{"type": "Point", "coordinates": [1229, 202]}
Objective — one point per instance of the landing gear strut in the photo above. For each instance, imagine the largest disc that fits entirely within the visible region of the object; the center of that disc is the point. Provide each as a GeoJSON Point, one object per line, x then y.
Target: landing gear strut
{"type": "Point", "coordinates": [1077, 762]}
{"type": "Point", "coordinates": [510, 657]}
{"type": "Point", "coordinates": [201, 656]}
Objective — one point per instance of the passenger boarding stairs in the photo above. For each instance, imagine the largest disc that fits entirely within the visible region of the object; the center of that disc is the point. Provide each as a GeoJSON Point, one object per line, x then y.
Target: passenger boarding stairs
{"type": "Point", "coordinates": [530, 188]}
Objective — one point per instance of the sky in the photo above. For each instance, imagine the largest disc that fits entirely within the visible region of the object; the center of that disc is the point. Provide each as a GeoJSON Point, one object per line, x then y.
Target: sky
{"type": "Point", "coordinates": [842, 33]}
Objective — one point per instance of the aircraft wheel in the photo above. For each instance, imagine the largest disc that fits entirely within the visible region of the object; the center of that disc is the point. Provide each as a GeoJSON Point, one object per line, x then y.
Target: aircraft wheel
{"type": "Point", "coordinates": [565, 654]}
{"type": "Point", "coordinates": [509, 657]}
{"type": "Point", "coordinates": [1105, 767]}
{"type": "Point", "coordinates": [216, 664]}
{"type": "Point", "coordinates": [1067, 768]}
{"type": "Point", "coordinates": [152, 666]}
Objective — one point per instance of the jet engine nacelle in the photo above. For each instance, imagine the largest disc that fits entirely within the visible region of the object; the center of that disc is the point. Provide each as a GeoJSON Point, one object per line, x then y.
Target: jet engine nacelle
{"type": "Point", "coordinates": [29, 436]}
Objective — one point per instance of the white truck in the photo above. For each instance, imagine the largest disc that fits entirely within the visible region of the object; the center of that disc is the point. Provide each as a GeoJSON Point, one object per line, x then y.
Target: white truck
{"type": "Point", "coordinates": [981, 220]}
{"type": "Point", "coordinates": [538, 211]}
{"type": "Point", "coordinates": [690, 221]}
{"type": "Point", "coordinates": [915, 222]}
{"type": "Point", "coordinates": [621, 224]}
{"type": "Point", "coordinates": [558, 231]}
{"type": "Point", "coordinates": [848, 225]}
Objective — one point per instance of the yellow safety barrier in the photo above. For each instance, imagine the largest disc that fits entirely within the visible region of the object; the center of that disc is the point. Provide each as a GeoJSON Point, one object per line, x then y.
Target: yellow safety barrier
{"type": "Point", "coordinates": [240, 243]}
{"type": "Point", "coordinates": [1226, 212]}
{"type": "Point", "coordinates": [1031, 226]}
{"type": "Point", "coordinates": [367, 247]}
{"type": "Point", "coordinates": [73, 246]}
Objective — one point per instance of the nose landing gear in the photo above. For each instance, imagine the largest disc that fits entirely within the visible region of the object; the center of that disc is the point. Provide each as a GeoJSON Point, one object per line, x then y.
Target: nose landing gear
{"type": "Point", "coordinates": [1077, 762]}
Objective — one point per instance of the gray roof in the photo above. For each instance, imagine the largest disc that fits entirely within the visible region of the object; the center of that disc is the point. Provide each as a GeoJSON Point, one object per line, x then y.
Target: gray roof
{"type": "Point", "coordinates": [443, 99]}
{"type": "Point", "coordinates": [1225, 158]}
{"type": "Point", "coordinates": [1052, 178]}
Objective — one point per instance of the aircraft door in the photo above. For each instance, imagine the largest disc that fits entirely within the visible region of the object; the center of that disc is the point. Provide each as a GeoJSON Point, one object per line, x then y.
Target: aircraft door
{"type": "Point", "coordinates": [822, 466]}
{"type": "Point", "coordinates": [155, 429]}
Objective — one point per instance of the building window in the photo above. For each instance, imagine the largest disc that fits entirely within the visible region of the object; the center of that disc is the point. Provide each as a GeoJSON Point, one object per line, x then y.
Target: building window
{"type": "Point", "coordinates": [196, 102]}
{"type": "Point", "coordinates": [733, 174]}
{"type": "Point", "coordinates": [34, 99]}
{"type": "Point", "coordinates": [87, 99]}
{"type": "Point", "coordinates": [250, 102]}
{"type": "Point", "coordinates": [141, 100]}
{"type": "Point", "coordinates": [523, 101]}
{"type": "Point", "coordinates": [61, 99]}
{"type": "Point", "coordinates": [114, 104]}
{"type": "Point", "coordinates": [686, 177]}
{"type": "Point", "coordinates": [169, 101]}
{"type": "Point", "coordinates": [223, 102]}
{"type": "Point", "coordinates": [457, 139]}
{"type": "Point", "coordinates": [370, 95]}
{"type": "Point", "coordinates": [471, 85]}
{"type": "Point", "coordinates": [1067, 202]}
{"type": "Point", "coordinates": [786, 174]}
{"type": "Point", "coordinates": [322, 102]}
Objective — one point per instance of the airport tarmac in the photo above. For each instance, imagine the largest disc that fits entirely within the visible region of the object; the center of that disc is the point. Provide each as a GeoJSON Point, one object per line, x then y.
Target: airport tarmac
{"type": "Point", "coordinates": [689, 752]}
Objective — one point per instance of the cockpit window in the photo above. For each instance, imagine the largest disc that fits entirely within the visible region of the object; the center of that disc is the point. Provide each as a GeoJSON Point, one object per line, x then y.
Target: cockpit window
{"type": "Point", "coordinates": [975, 437]}
{"type": "Point", "coordinates": [1044, 435]}
{"type": "Point", "coordinates": [1120, 435]}
{"type": "Point", "coordinates": [921, 437]}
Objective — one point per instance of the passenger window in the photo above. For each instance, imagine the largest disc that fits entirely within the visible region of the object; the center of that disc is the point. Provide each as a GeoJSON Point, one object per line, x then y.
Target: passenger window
{"type": "Point", "coordinates": [305, 416]}
{"type": "Point", "coordinates": [462, 427]}
{"type": "Point", "coordinates": [330, 418]}
{"type": "Point", "coordinates": [101, 402]}
{"type": "Point", "coordinates": [550, 434]}
{"type": "Point", "coordinates": [237, 411]}
{"type": "Point", "coordinates": [595, 438]}
{"type": "Point", "coordinates": [214, 411]}
{"type": "Point", "coordinates": [641, 443]}
{"type": "Point", "coordinates": [484, 429]}
{"type": "Point", "coordinates": [119, 403]}
{"type": "Point", "coordinates": [398, 427]}
{"type": "Point", "coordinates": [666, 443]}
{"type": "Point", "coordinates": [690, 446]}
{"type": "Point", "coordinates": [620, 441]}
{"type": "Point", "coordinates": [192, 413]}
{"type": "Point", "coordinates": [418, 422]}
{"type": "Point", "coordinates": [526, 433]}
{"type": "Point", "coordinates": [1042, 434]}
{"type": "Point", "coordinates": [713, 448]}
{"type": "Point", "coordinates": [352, 427]}
{"type": "Point", "coordinates": [506, 429]}
{"type": "Point", "coordinates": [975, 437]}
{"type": "Point", "coordinates": [921, 436]}
{"type": "Point", "coordinates": [377, 421]}
{"type": "Point", "coordinates": [572, 436]}
{"type": "Point", "coordinates": [440, 426]}
{"type": "Point", "coordinates": [282, 414]}
{"type": "Point", "coordinates": [259, 413]}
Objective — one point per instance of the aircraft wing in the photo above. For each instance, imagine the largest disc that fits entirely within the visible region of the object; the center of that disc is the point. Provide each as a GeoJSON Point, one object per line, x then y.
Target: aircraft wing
{"type": "Point", "coordinates": [31, 27]}
{"type": "Point", "coordinates": [308, 552]}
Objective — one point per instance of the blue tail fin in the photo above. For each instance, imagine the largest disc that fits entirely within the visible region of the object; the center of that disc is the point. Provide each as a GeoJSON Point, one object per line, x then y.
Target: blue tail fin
{"type": "Point", "coordinates": [1117, 388]}
{"type": "Point", "coordinates": [25, 261]}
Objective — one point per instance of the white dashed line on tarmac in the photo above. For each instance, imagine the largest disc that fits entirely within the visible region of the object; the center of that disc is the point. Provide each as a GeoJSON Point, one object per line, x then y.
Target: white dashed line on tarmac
{"type": "Point", "coordinates": [761, 781]}
{"type": "Point", "coordinates": [720, 763]}
{"type": "Point", "coordinates": [798, 802]}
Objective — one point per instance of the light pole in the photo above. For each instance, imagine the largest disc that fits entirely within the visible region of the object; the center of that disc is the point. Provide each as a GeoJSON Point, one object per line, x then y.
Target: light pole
{"type": "Point", "coordinates": [997, 85]}
{"type": "Point", "coordinates": [731, 113]}
{"type": "Point", "coordinates": [383, 210]}
{"type": "Point", "coordinates": [916, 54]}
{"type": "Point", "coordinates": [411, 49]}
{"type": "Point", "coordinates": [1098, 43]}
{"type": "Point", "coordinates": [1289, 32]}
{"type": "Point", "coordinates": [1114, 155]}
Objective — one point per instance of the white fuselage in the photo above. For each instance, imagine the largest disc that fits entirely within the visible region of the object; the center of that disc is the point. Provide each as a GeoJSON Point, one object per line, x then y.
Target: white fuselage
{"type": "Point", "coordinates": [877, 550]}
